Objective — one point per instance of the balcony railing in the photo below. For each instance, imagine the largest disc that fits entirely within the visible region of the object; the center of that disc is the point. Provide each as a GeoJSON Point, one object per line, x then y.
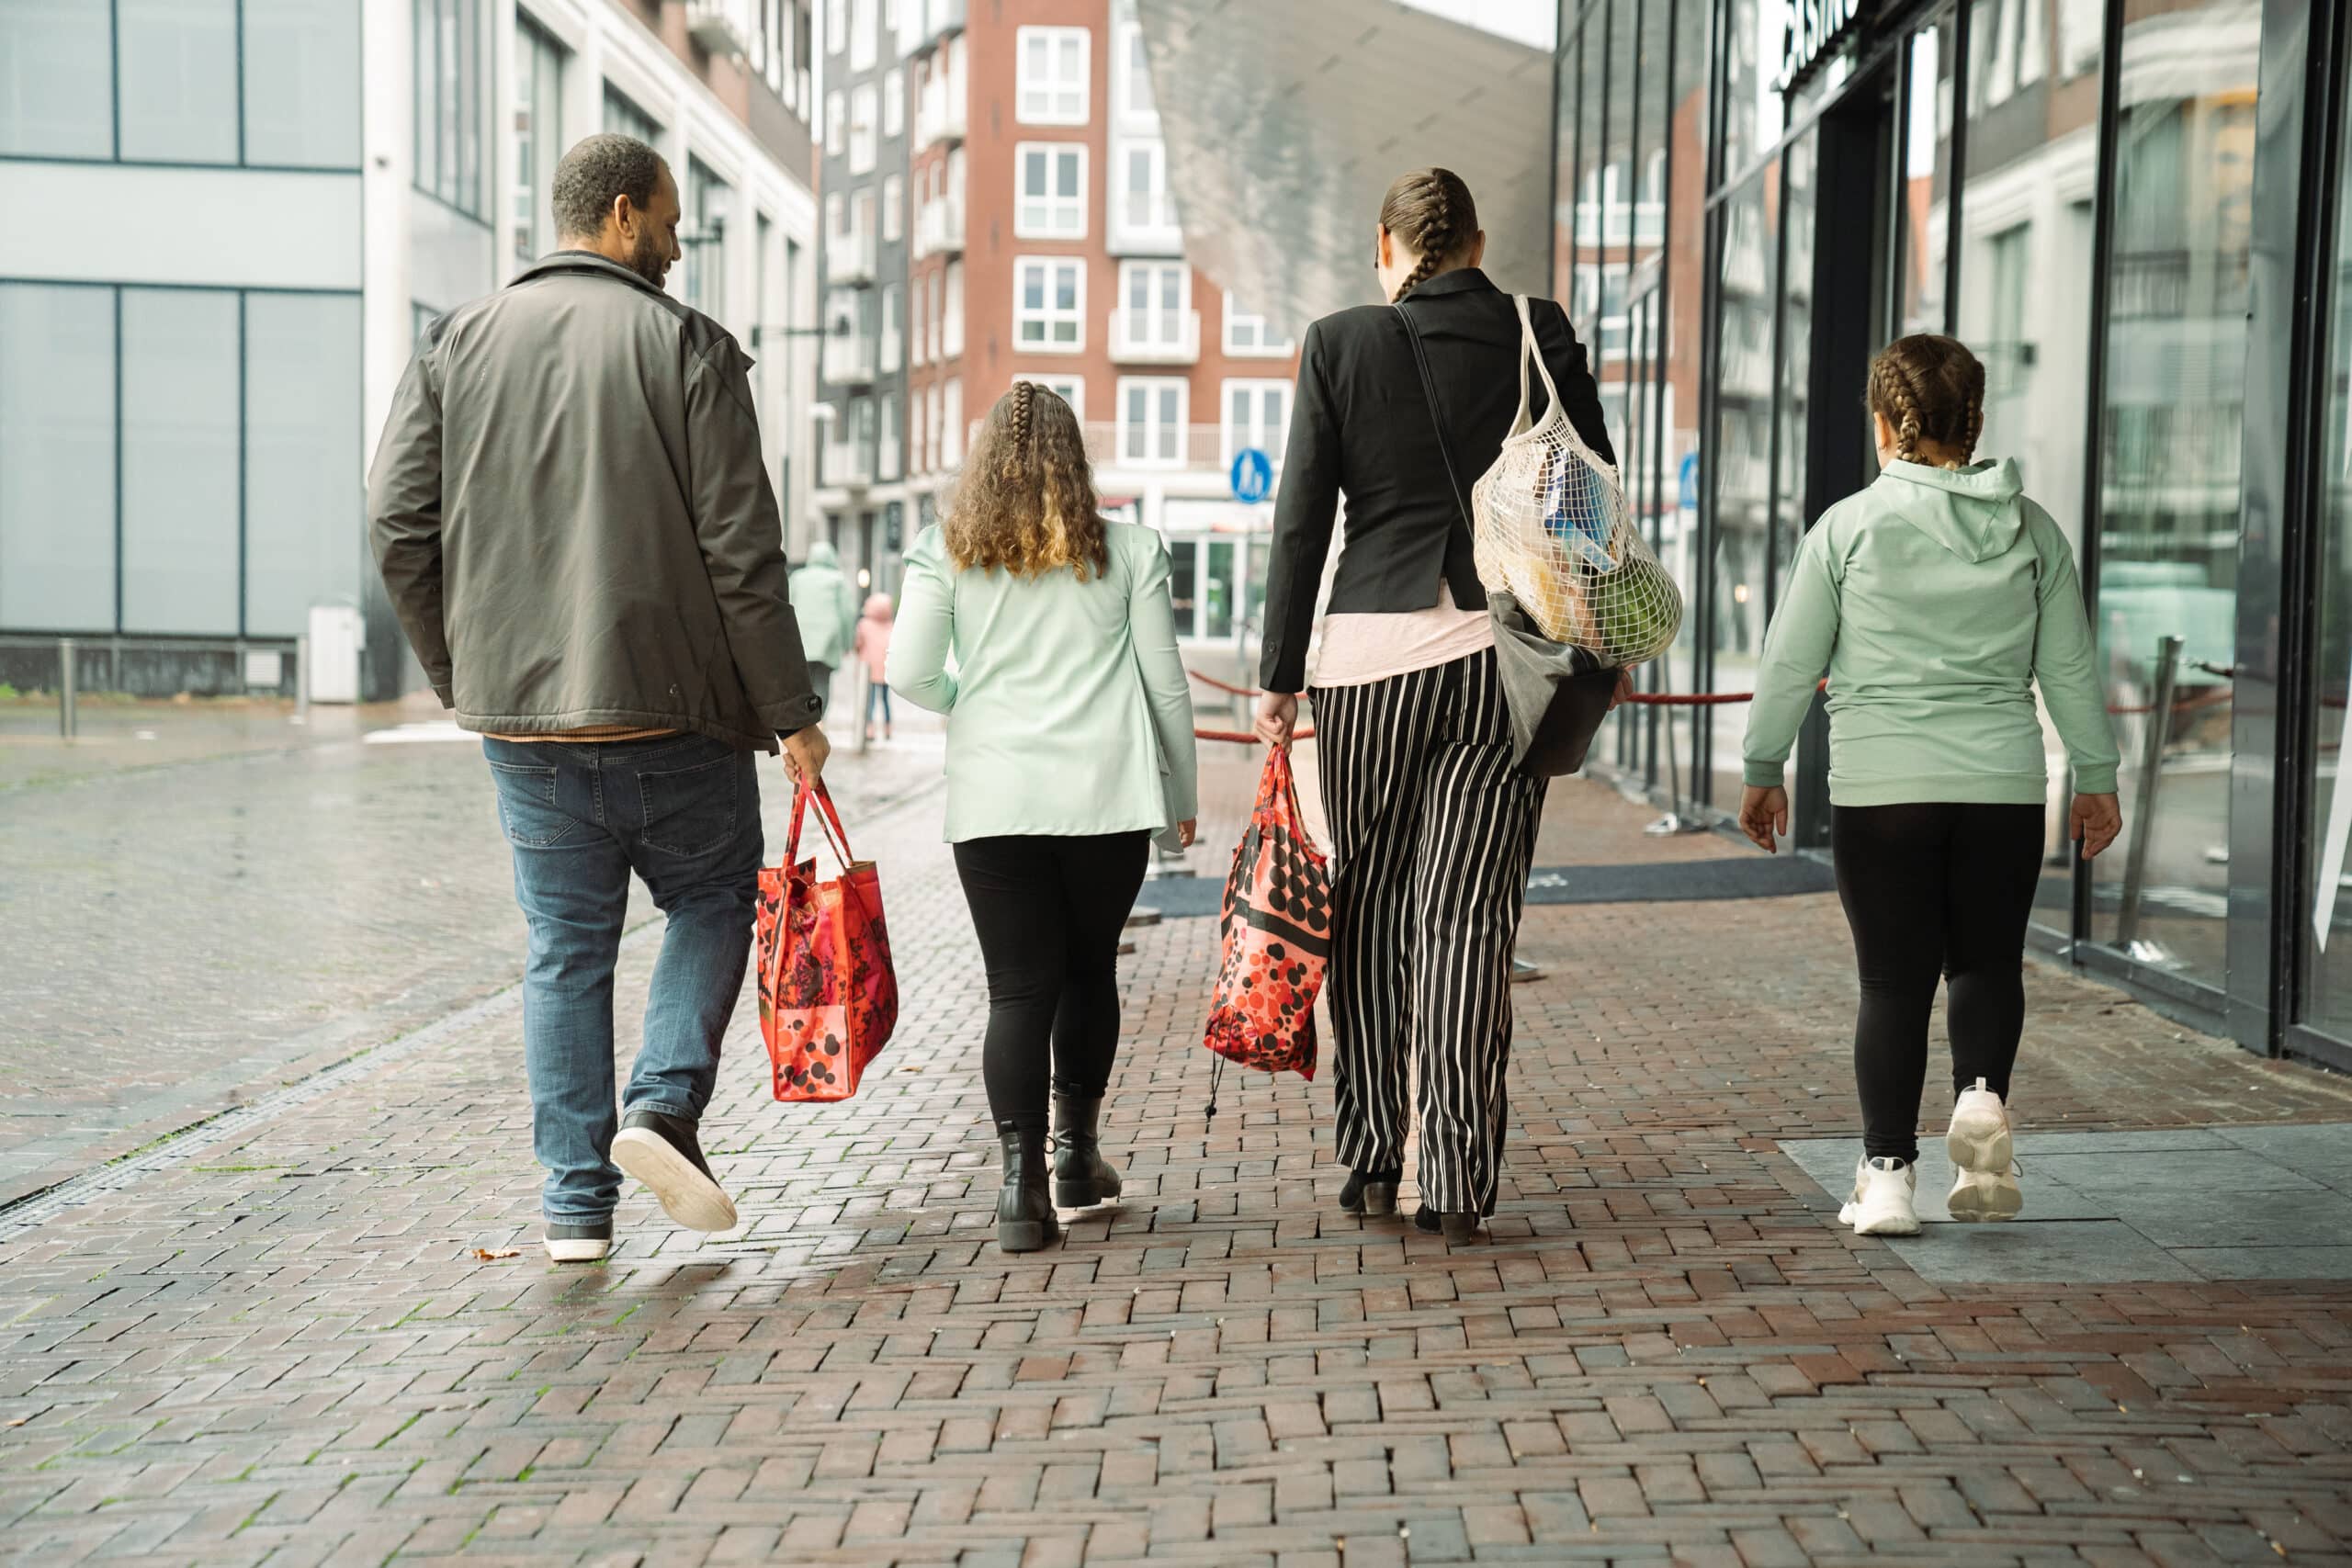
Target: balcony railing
{"type": "Point", "coordinates": [724, 27]}
{"type": "Point", "coordinates": [939, 229]}
{"type": "Point", "coordinates": [939, 116]}
{"type": "Point", "coordinates": [847, 361]}
{"type": "Point", "coordinates": [847, 466]}
{"type": "Point", "coordinates": [941, 18]}
{"type": "Point", "coordinates": [849, 258]}
{"type": "Point", "coordinates": [1142, 337]}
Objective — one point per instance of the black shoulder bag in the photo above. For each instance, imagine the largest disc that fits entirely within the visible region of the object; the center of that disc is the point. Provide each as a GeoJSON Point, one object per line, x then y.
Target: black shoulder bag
{"type": "Point", "coordinates": [1557, 694]}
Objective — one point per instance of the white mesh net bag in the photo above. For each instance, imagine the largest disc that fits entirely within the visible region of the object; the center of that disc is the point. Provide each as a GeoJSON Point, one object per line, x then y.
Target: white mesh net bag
{"type": "Point", "coordinates": [1551, 525]}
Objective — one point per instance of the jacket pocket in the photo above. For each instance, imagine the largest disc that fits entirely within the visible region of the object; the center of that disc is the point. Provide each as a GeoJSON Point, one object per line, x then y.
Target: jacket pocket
{"type": "Point", "coordinates": [527, 808]}
{"type": "Point", "coordinates": [692, 811]}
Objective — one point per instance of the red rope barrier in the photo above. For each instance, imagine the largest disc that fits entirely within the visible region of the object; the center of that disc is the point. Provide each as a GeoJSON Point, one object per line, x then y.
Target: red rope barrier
{"type": "Point", "coordinates": [1226, 687]}
{"type": "Point", "coordinates": [1240, 739]}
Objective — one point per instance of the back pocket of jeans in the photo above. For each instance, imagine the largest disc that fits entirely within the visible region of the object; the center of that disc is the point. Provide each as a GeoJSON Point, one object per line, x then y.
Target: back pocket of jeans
{"type": "Point", "coordinates": [691, 811]}
{"type": "Point", "coordinates": [526, 808]}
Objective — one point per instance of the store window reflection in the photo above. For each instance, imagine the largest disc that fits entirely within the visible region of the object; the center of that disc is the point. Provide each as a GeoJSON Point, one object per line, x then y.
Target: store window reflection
{"type": "Point", "coordinates": [2026, 238]}
{"type": "Point", "coordinates": [1927, 181]}
{"type": "Point", "coordinates": [2171, 433]}
{"type": "Point", "coordinates": [1743, 446]}
{"type": "Point", "coordinates": [2327, 968]}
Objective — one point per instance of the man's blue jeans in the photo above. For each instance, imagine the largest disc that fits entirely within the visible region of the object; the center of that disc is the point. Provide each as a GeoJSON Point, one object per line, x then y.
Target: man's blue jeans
{"type": "Point", "coordinates": [683, 813]}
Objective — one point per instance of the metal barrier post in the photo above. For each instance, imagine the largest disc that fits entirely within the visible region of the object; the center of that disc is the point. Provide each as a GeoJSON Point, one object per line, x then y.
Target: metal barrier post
{"type": "Point", "coordinates": [67, 716]}
{"type": "Point", "coordinates": [301, 677]}
{"type": "Point", "coordinates": [858, 702]}
{"type": "Point", "coordinates": [2143, 807]}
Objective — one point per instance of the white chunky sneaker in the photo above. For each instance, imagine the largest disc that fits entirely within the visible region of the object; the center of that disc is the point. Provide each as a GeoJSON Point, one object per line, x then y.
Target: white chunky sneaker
{"type": "Point", "coordinates": [1884, 1199]}
{"type": "Point", "coordinates": [1985, 1184]}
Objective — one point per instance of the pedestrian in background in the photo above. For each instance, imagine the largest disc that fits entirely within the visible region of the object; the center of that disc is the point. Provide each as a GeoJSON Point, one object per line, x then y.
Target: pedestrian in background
{"type": "Point", "coordinates": [827, 608]}
{"type": "Point", "coordinates": [1937, 600]}
{"type": "Point", "coordinates": [873, 647]}
{"type": "Point", "coordinates": [612, 618]}
{"type": "Point", "coordinates": [1432, 827]}
{"type": "Point", "coordinates": [1069, 745]}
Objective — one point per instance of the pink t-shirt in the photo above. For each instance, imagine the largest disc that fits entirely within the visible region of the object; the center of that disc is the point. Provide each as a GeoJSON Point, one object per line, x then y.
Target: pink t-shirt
{"type": "Point", "coordinates": [1358, 650]}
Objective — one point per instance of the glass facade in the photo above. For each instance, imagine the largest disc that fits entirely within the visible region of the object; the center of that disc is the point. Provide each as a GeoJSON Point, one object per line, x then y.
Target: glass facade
{"type": "Point", "coordinates": [451, 84]}
{"type": "Point", "coordinates": [2075, 189]}
{"type": "Point", "coordinates": [214, 82]}
{"type": "Point", "coordinates": [178, 461]}
{"type": "Point", "coordinates": [538, 140]}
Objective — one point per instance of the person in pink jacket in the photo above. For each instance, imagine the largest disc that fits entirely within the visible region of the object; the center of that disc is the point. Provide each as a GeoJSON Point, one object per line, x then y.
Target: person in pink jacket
{"type": "Point", "coordinates": [873, 647]}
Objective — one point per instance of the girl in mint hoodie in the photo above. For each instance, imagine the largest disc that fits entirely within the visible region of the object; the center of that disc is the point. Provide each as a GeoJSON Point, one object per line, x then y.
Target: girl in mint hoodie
{"type": "Point", "coordinates": [1935, 601]}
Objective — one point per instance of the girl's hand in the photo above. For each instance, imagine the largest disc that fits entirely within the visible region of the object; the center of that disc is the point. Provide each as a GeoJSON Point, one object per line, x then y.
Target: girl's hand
{"type": "Point", "coordinates": [1762, 813]}
{"type": "Point", "coordinates": [1277, 716]}
{"type": "Point", "coordinates": [2096, 820]}
{"type": "Point", "coordinates": [1185, 830]}
{"type": "Point", "coordinates": [1624, 688]}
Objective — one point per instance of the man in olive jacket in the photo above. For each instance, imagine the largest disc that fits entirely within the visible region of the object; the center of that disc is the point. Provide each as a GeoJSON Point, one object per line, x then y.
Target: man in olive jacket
{"type": "Point", "coordinates": [574, 522]}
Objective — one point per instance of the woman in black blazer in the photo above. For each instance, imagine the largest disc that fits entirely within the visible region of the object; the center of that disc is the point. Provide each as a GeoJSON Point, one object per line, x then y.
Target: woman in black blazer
{"type": "Point", "coordinates": [1432, 827]}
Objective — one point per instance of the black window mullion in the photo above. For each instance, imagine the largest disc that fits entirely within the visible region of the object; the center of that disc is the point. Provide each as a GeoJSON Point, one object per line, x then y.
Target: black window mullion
{"type": "Point", "coordinates": [1962, 15]}
{"type": "Point", "coordinates": [245, 453]}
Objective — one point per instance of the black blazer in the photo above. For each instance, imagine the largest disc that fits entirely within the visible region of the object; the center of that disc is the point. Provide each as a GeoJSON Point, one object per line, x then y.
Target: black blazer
{"type": "Point", "coordinates": [1360, 423]}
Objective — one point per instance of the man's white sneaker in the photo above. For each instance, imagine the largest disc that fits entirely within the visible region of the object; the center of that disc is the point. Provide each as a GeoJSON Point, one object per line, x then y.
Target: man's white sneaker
{"type": "Point", "coordinates": [1979, 1138]}
{"type": "Point", "coordinates": [1885, 1199]}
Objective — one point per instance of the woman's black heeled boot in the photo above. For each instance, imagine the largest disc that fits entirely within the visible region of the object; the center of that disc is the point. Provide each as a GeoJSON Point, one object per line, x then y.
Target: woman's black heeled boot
{"type": "Point", "coordinates": [1024, 1208]}
{"type": "Point", "coordinates": [1082, 1178]}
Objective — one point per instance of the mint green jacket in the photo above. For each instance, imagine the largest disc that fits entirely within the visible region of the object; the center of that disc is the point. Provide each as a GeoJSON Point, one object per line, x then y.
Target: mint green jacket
{"type": "Point", "coordinates": [1936, 600]}
{"type": "Point", "coordinates": [1068, 711]}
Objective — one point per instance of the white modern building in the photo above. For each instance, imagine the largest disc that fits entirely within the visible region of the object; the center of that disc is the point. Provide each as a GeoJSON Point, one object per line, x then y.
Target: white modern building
{"type": "Point", "coordinates": [244, 212]}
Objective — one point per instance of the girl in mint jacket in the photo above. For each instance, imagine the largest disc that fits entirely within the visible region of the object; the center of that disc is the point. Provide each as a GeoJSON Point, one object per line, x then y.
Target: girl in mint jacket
{"type": "Point", "coordinates": [1935, 601]}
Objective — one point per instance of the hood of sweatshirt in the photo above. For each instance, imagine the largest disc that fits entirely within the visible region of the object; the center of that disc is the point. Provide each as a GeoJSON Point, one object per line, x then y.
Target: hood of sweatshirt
{"type": "Point", "coordinates": [1971, 511]}
{"type": "Point", "coordinates": [822, 554]}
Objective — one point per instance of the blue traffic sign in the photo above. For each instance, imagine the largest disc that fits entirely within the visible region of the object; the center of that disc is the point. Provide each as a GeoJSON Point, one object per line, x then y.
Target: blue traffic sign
{"type": "Point", "coordinates": [1253, 475]}
{"type": "Point", "coordinates": [1689, 487]}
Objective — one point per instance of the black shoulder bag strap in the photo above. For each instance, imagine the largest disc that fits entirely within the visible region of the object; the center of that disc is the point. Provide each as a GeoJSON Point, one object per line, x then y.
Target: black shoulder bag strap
{"type": "Point", "coordinates": [1445, 446]}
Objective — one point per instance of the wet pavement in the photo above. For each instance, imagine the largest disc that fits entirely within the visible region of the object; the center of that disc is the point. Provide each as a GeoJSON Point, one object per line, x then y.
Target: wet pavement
{"type": "Point", "coordinates": [320, 1330]}
{"type": "Point", "coordinates": [192, 920]}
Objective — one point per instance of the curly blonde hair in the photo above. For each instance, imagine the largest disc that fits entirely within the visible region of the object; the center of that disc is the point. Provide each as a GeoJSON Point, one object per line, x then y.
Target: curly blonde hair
{"type": "Point", "coordinates": [1026, 500]}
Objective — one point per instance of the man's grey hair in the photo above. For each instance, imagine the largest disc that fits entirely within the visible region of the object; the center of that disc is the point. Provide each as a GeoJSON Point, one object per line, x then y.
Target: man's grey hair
{"type": "Point", "coordinates": [597, 170]}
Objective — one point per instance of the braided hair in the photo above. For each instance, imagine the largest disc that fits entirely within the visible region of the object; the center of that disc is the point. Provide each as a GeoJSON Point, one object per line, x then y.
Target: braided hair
{"type": "Point", "coordinates": [1025, 501]}
{"type": "Point", "coordinates": [1929, 388]}
{"type": "Point", "coordinates": [1431, 212]}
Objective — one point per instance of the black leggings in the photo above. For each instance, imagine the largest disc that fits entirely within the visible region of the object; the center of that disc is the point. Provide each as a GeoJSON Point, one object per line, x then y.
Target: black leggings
{"type": "Point", "coordinates": [1049, 911]}
{"type": "Point", "coordinates": [1934, 889]}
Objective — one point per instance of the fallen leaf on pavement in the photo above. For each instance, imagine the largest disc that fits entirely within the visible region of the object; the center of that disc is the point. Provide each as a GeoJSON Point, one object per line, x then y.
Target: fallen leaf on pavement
{"type": "Point", "coordinates": [488, 1257]}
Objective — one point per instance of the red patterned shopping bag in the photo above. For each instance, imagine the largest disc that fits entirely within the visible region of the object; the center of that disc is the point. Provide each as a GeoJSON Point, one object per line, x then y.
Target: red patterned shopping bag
{"type": "Point", "coordinates": [1277, 932]}
{"type": "Point", "coordinates": [829, 998]}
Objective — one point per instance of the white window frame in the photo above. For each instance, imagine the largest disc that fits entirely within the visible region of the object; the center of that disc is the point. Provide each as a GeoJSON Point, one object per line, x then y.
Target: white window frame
{"type": "Point", "coordinates": [952, 423]}
{"type": "Point", "coordinates": [1051, 98]}
{"type": "Point", "coordinates": [918, 457]}
{"type": "Point", "coordinates": [1050, 316]}
{"type": "Point", "coordinates": [864, 38]}
{"type": "Point", "coordinates": [1266, 347]}
{"type": "Point", "coordinates": [938, 287]}
{"type": "Point", "coordinates": [1157, 311]}
{"type": "Point", "coordinates": [1269, 437]}
{"type": "Point", "coordinates": [837, 120]}
{"type": "Point", "coordinates": [894, 329]}
{"type": "Point", "coordinates": [1130, 70]}
{"type": "Point", "coordinates": [893, 103]}
{"type": "Point", "coordinates": [1055, 217]}
{"type": "Point", "coordinates": [835, 210]}
{"type": "Point", "coordinates": [1162, 220]}
{"type": "Point", "coordinates": [1154, 427]}
{"type": "Point", "coordinates": [865, 112]}
{"type": "Point", "coordinates": [894, 208]}
{"type": "Point", "coordinates": [1071, 390]}
{"type": "Point", "coordinates": [953, 332]}
{"type": "Point", "coordinates": [836, 26]}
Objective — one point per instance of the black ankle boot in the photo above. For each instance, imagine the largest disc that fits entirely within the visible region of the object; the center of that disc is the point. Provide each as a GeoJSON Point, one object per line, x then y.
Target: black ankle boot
{"type": "Point", "coordinates": [1082, 1178]}
{"type": "Point", "coordinates": [1024, 1210]}
{"type": "Point", "coordinates": [1371, 1193]}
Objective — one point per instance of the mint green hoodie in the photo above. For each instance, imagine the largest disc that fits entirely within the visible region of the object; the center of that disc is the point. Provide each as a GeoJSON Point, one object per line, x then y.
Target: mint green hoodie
{"type": "Point", "coordinates": [1935, 599]}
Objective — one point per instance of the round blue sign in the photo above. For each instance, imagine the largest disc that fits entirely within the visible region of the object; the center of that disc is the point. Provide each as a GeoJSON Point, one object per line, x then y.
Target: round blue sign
{"type": "Point", "coordinates": [1253, 475]}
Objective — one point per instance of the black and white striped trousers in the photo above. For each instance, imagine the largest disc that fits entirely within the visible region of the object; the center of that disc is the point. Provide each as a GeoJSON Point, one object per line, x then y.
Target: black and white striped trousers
{"type": "Point", "coordinates": [1432, 830]}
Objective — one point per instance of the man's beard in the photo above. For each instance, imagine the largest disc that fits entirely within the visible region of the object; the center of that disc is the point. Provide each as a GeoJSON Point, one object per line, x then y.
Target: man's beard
{"type": "Point", "coordinates": [647, 261]}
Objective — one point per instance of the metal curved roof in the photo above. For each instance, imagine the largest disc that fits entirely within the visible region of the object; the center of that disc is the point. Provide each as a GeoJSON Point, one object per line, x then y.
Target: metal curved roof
{"type": "Point", "coordinates": [1285, 121]}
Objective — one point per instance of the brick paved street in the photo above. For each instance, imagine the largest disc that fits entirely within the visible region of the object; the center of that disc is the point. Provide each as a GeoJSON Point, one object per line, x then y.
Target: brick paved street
{"type": "Point", "coordinates": [284, 1348]}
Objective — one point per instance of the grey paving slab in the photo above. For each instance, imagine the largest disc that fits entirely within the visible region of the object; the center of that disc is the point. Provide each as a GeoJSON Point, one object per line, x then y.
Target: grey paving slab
{"type": "Point", "coordinates": [2321, 1150]}
{"type": "Point", "coordinates": [2074, 1252]}
{"type": "Point", "coordinates": [2140, 1172]}
{"type": "Point", "coordinates": [2224, 1218]}
{"type": "Point", "coordinates": [2033, 1138]}
{"type": "Point", "coordinates": [2269, 1262]}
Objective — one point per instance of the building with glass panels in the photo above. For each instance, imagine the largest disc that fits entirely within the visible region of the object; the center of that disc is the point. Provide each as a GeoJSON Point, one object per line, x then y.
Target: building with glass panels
{"type": "Point", "coordinates": [241, 214]}
{"type": "Point", "coordinates": [2131, 209]}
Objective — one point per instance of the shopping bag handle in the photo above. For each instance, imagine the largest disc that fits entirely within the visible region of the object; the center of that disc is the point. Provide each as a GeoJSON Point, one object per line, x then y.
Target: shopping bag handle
{"type": "Point", "coordinates": [828, 822]}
